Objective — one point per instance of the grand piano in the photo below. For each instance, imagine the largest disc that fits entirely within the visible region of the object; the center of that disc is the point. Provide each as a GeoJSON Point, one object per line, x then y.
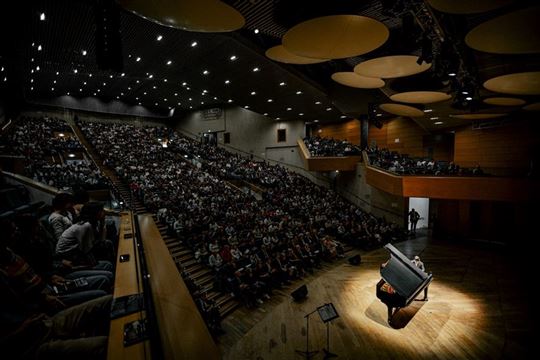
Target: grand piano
{"type": "Point", "coordinates": [401, 282]}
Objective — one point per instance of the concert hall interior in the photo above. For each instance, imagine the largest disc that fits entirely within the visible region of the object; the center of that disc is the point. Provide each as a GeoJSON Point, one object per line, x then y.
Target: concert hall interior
{"type": "Point", "coordinates": [264, 179]}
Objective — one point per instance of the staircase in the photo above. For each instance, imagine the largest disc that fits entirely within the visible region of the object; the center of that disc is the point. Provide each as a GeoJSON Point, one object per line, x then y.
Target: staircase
{"type": "Point", "coordinates": [201, 275]}
{"type": "Point", "coordinates": [120, 187]}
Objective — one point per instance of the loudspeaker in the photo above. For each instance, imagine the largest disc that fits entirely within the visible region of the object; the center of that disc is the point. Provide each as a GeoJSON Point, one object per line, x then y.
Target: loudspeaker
{"type": "Point", "coordinates": [355, 260]}
{"type": "Point", "coordinates": [108, 40]}
{"type": "Point", "coordinates": [300, 293]}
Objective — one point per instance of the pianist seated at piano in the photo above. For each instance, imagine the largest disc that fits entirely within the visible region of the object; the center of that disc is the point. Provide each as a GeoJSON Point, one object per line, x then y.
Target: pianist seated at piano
{"type": "Point", "coordinates": [402, 280]}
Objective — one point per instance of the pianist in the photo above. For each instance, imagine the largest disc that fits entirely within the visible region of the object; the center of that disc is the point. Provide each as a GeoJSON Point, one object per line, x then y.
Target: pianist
{"type": "Point", "coordinates": [419, 264]}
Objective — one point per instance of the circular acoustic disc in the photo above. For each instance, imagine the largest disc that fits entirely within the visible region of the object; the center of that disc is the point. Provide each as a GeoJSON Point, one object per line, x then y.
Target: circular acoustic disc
{"type": "Point", "coordinates": [532, 107]}
{"type": "Point", "coordinates": [504, 101]}
{"type": "Point", "coordinates": [352, 79]}
{"type": "Point", "coordinates": [525, 83]}
{"type": "Point", "coordinates": [388, 67]}
{"type": "Point", "coordinates": [420, 97]}
{"type": "Point", "coordinates": [189, 15]}
{"type": "Point", "coordinates": [477, 116]}
{"type": "Point", "coordinates": [279, 53]}
{"type": "Point", "coordinates": [467, 6]}
{"type": "Point", "coordinates": [335, 37]}
{"type": "Point", "coordinates": [401, 110]}
{"type": "Point", "coordinates": [511, 33]}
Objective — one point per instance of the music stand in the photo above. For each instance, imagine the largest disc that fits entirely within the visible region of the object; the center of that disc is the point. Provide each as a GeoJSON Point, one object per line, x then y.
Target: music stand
{"type": "Point", "coordinates": [308, 354]}
{"type": "Point", "coordinates": [328, 312]}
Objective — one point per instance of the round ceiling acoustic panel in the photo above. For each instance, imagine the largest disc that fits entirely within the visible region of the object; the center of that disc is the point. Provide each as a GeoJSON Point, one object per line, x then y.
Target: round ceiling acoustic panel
{"type": "Point", "coordinates": [504, 101]}
{"type": "Point", "coordinates": [401, 110]}
{"type": "Point", "coordinates": [512, 33]}
{"type": "Point", "coordinates": [420, 97]}
{"type": "Point", "coordinates": [335, 37]}
{"type": "Point", "coordinates": [477, 116]}
{"type": "Point", "coordinates": [532, 107]}
{"type": "Point", "coordinates": [467, 6]}
{"type": "Point", "coordinates": [189, 15]}
{"type": "Point", "coordinates": [352, 79]}
{"type": "Point", "coordinates": [389, 67]}
{"type": "Point", "coordinates": [525, 83]}
{"type": "Point", "coordinates": [280, 54]}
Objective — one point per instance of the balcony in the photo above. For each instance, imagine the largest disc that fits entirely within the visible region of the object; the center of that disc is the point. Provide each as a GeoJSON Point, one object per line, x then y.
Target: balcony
{"type": "Point", "coordinates": [319, 163]}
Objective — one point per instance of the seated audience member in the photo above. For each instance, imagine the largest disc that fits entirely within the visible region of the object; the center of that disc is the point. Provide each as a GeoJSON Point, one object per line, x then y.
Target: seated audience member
{"type": "Point", "coordinates": [61, 218]}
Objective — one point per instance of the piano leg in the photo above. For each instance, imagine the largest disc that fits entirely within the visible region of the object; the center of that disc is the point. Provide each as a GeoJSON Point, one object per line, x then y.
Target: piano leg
{"type": "Point", "coordinates": [425, 293]}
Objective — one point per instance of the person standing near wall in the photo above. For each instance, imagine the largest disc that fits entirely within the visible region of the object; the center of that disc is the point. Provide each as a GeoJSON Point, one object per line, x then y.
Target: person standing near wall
{"type": "Point", "coordinates": [414, 216]}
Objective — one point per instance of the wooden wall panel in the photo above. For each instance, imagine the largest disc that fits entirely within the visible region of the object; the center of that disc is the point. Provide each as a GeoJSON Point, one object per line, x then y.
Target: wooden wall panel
{"type": "Point", "coordinates": [511, 146]}
{"type": "Point", "coordinates": [399, 134]}
{"type": "Point", "coordinates": [349, 131]}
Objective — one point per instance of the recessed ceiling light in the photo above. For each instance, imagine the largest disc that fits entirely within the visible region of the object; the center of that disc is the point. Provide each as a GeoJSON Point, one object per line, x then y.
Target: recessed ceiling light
{"type": "Point", "coordinates": [138, 59]}
{"type": "Point", "coordinates": [289, 108]}
{"type": "Point", "coordinates": [465, 92]}
{"type": "Point", "coordinates": [68, 93]}
{"type": "Point", "coordinates": [42, 16]}
{"type": "Point", "coordinates": [301, 114]}
{"type": "Point", "coordinates": [165, 99]}
{"type": "Point", "coordinates": [154, 87]}
{"type": "Point", "coordinates": [150, 76]}
{"type": "Point", "coordinates": [269, 100]}
{"type": "Point", "coordinates": [39, 48]}
{"type": "Point", "coordinates": [343, 116]}
{"type": "Point", "coordinates": [32, 71]}
{"type": "Point", "coordinates": [205, 91]}
{"type": "Point", "coordinates": [278, 118]}
{"type": "Point", "coordinates": [265, 114]}
{"type": "Point", "coordinates": [139, 103]}
{"type": "Point", "coordinates": [428, 110]}
{"type": "Point", "coordinates": [175, 94]}
{"type": "Point", "coordinates": [2, 69]}
{"type": "Point", "coordinates": [191, 107]}
{"type": "Point", "coordinates": [233, 58]}
{"type": "Point", "coordinates": [84, 52]}
{"type": "Point", "coordinates": [255, 69]}
{"type": "Point", "coordinates": [98, 90]}
{"type": "Point", "coordinates": [379, 115]}
{"type": "Point", "coordinates": [37, 68]}
{"type": "Point", "coordinates": [52, 89]}
{"type": "Point", "coordinates": [179, 104]}
{"type": "Point", "coordinates": [468, 98]}
{"type": "Point", "coordinates": [31, 80]}
{"type": "Point", "coordinates": [104, 84]}
{"type": "Point", "coordinates": [121, 94]}
{"type": "Point", "coordinates": [315, 120]}
{"type": "Point", "coordinates": [184, 83]}
{"type": "Point", "coordinates": [155, 104]}
{"type": "Point", "coordinates": [434, 118]}
{"type": "Point", "coordinates": [137, 81]}
{"type": "Point", "coordinates": [253, 93]}
{"type": "Point", "coordinates": [31, 88]}
{"type": "Point", "coordinates": [190, 99]}
{"type": "Point", "coordinates": [144, 93]}
{"type": "Point", "coordinates": [227, 81]}
{"type": "Point", "coordinates": [452, 74]}
{"type": "Point", "coordinates": [206, 72]}
{"type": "Point", "coordinates": [57, 73]}
{"type": "Point", "coordinates": [159, 37]}
{"type": "Point", "coordinates": [95, 94]}
{"type": "Point", "coordinates": [256, 31]}
{"type": "Point", "coordinates": [246, 107]}
{"type": "Point", "coordinates": [298, 92]}
{"type": "Point", "coordinates": [84, 83]}
{"type": "Point", "coordinates": [193, 44]}
{"type": "Point", "coordinates": [89, 75]}
{"type": "Point", "coordinates": [123, 74]}
{"type": "Point", "coordinates": [282, 83]}
{"type": "Point", "coordinates": [169, 62]}
{"type": "Point", "coordinates": [54, 82]}
{"type": "Point", "coordinates": [202, 102]}
{"type": "Point", "coordinates": [188, 88]}
{"type": "Point", "coordinates": [80, 89]}
{"type": "Point", "coordinates": [438, 123]}
{"type": "Point", "coordinates": [165, 80]}
{"type": "Point", "coordinates": [110, 76]}
{"type": "Point", "coordinates": [317, 103]}
{"type": "Point", "coordinates": [129, 87]}
{"type": "Point", "coordinates": [137, 98]}
{"type": "Point", "coordinates": [215, 97]}
{"type": "Point", "coordinates": [328, 108]}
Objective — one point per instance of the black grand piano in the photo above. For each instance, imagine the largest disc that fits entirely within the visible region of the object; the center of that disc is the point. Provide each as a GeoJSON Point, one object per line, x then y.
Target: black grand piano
{"type": "Point", "coordinates": [401, 282]}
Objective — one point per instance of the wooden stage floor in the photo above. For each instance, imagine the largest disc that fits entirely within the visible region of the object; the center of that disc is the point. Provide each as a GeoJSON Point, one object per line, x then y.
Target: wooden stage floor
{"type": "Point", "coordinates": [478, 309]}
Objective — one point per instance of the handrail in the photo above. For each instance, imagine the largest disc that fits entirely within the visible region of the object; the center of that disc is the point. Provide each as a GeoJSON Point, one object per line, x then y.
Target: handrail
{"type": "Point", "coordinates": [32, 183]}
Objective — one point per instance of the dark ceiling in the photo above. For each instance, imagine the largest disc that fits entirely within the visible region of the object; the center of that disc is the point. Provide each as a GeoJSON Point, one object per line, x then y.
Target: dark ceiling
{"type": "Point", "coordinates": [56, 46]}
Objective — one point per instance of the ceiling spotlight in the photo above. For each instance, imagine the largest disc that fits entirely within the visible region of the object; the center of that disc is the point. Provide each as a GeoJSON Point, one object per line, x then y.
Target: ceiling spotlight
{"type": "Point", "coordinates": [233, 58]}
{"type": "Point", "coordinates": [139, 103]}
{"type": "Point", "coordinates": [452, 74]}
{"type": "Point", "coordinates": [104, 84]}
{"type": "Point", "coordinates": [282, 83]}
{"type": "Point", "coordinates": [156, 104]}
{"type": "Point", "coordinates": [31, 80]}
{"type": "Point", "coordinates": [84, 52]}
{"type": "Point", "coordinates": [256, 31]}
{"type": "Point", "coordinates": [317, 103]}
{"type": "Point", "coordinates": [123, 74]}
{"type": "Point", "coordinates": [144, 93]}
{"type": "Point", "coordinates": [188, 88]}
{"type": "Point", "coordinates": [37, 68]}
{"type": "Point", "coordinates": [121, 94]}
{"type": "Point", "coordinates": [230, 100]}
{"type": "Point", "coordinates": [137, 81]}
{"type": "Point", "coordinates": [159, 38]}
{"type": "Point", "coordinates": [316, 120]}
{"type": "Point", "coordinates": [193, 44]}
{"type": "Point", "coordinates": [129, 87]}
{"type": "Point", "coordinates": [253, 93]}
{"type": "Point", "coordinates": [165, 80]}
{"type": "Point", "coordinates": [298, 92]}
{"type": "Point", "coordinates": [465, 92]}
{"type": "Point", "coordinates": [269, 100]}
{"type": "Point", "coordinates": [190, 99]}
{"type": "Point", "coordinates": [42, 16]}
{"type": "Point", "coordinates": [57, 73]}
{"type": "Point", "coordinates": [32, 71]}
{"type": "Point", "coordinates": [84, 83]}
{"type": "Point", "coordinates": [227, 81]}
{"type": "Point", "coordinates": [265, 114]}
{"type": "Point", "coordinates": [75, 71]}
{"type": "Point", "coordinates": [206, 72]}
{"type": "Point", "coordinates": [328, 108]}
{"type": "Point", "coordinates": [428, 110]}
{"type": "Point", "coordinates": [342, 116]}
{"type": "Point", "coordinates": [438, 123]}
{"type": "Point", "coordinates": [184, 83]}
{"type": "Point", "coordinates": [154, 87]}
{"type": "Point", "coordinates": [137, 98]}
{"type": "Point", "coordinates": [95, 94]}
{"type": "Point", "coordinates": [246, 107]}
{"type": "Point", "coordinates": [175, 94]}
{"type": "Point", "coordinates": [169, 62]}
{"type": "Point", "coordinates": [289, 108]}
{"type": "Point", "coordinates": [434, 118]}
{"type": "Point", "coordinates": [54, 82]}
{"type": "Point", "coordinates": [80, 89]}
{"type": "Point", "coordinates": [215, 97]}
{"type": "Point", "coordinates": [379, 115]}
{"type": "Point", "coordinates": [278, 118]}
{"type": "Point", "coordinates": [138, 59]}
{"type": "Point", "coordinates": [301, 114]}
{"type": "Point", "coordinates": [165, 99]}
{"type": "Point", "coordinates": [255, 69]}
{"type": "Point", "coordinates": [89, 75]}
{"type": "Point", "coordinates": [149, 76]}
{"type": "Point", "coordinates": [468, 98]}
{"type": "Point", "coordinates": [67, 93]}
{"type": "Point", "coordinates": [52, 89]}
{"type": "Point", "coordinates": [31, 88]}
{"type": "Point", "coordinates": [98, 90]}
{"type": "Point", "coordinates": [39, 48]}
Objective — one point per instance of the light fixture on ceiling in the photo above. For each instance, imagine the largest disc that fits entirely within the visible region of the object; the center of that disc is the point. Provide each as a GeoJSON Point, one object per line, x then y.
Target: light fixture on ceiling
{"type": "Point", "coordinates": [452, 74]}
{"type": "Point", "coordinates": [193, 44]}
{"type": "Point", "coordinates": [230, 100]}
{"type": "Point", "coordinates": [253, 93]}
{"type": "Point", "coordinates": [298, 92]}
{"type": "Point", "coordinates": [138, 59]}
{"type": "Point", "coordinates": [289, 108]}
{"type": "Point", "coordinates": [190, 99]}
{"type": "Point", "coordinates": [227, 81]}
{"type": "Point", "coordinates": [159, 37]}
{"type": "Point", "coordinates": [278, 118]}
{"type": "Point", "coordinates": [328, 109]}
{"type": "Point", "coordinates": [316, 121]}
{"type": "Point", "coordinates": [169, 62]}
{"type": "Point", "coordinates": [57, 73]}
{"type": "Point", "coordinates": [343, 116]}
{"type": "Point", "coordinates": [256, 31]}
{"type": "Point", "coordinates": [154, 87]}
{"type": "Point", "coordinates": [31, 88]}
{"type": "Point", "coordinates": [31, 80]}
{"type": "Point", "coordinates": [80, 89]}
{"type": "Point", "coordinates": [265, 114]}
{"type": "Point", "coordinates": [438, 123]}
{"type": "Point", "coordinates": [468, 98]}
{"type": "Point", "coordinates": [233, 57]}
{"type": "Point", "coordinates": [84, 83]}
{"type": "Point", "coordinates": [42, 16]}
{"type": "Point", "coordinates": [144, 93]}
{"type": "Point", "coordinates": [52, 89]}
{"type": "Point", "coordinates": [37, 68]}
{"type": "Point", "coordinates": [165, 99]}
{"type": "Point", "coordinates": [84, 52]}
{"type": "Point", "coordinates": [434, 118]}
{"type": "Point", "coordinates": [39, 48]}
{"type": "Point", "coordinates": [175, 94]}
{"type": "Point", "coordinates": [89, 75]}
{"type": "Point", "coordinates": [179, 104]}
{"type": "Point", "coordinates": [54, 82]}
{"type": "Point", "coordinates": [110, 76]}
{"type": "Point", "coordinates": [269, 100]}
{"type": "Point", "coordinates": [184, 83]}
{"type": "Point", "coordinates": [95, 94]}
{"type": "Point", "coordinates": [465, 92]}
{"type": "Point", "coordinates": [317, 103]}
{"type": "Point", "coordinates": [301, 114]}
{"type": "Point", "coordinates": [282, 83]}
{"type": "Point", "coordinates": [206, 72]}
{"type": "Point", "coordinates": [428, 110]}
{"type": "Point", "coordinates": [75, 71]}
{"type": "Point", "coordinates": [123, 74]}
{"type": "Point", "coordinates": [246, 107]}
{"type": "Point", "coordinates": [165, 80]}
{"type": "Point", "coordinates": [104, 84]}
{"type": "Point", "coordinates": [255, 69]}
{"type": "Point", "coordinates": [121, 94]}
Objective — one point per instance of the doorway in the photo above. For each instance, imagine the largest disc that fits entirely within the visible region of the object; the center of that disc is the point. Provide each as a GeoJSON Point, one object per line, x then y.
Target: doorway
{"type": "Point", "coordinates": [421, 205]}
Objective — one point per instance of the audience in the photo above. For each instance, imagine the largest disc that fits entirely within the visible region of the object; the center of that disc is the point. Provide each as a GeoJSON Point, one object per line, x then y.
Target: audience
{"type": "Point", "coordinates": [319, 146]}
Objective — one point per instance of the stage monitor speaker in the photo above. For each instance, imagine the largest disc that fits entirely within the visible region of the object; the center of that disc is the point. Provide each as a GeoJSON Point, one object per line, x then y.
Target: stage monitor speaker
{"type": "Point", "coordinates": [300, 293]}
{"type": "Point", "coordinates": [355, 260]}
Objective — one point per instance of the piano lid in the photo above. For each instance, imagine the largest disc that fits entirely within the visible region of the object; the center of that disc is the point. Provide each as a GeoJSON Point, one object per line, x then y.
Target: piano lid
{"type": "Point", "coordinates": [403, 275]}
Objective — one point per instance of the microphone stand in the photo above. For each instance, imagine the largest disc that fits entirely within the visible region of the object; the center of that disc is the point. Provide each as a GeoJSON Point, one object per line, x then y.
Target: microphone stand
{"type": "Point", "coordinates": [308, 354]}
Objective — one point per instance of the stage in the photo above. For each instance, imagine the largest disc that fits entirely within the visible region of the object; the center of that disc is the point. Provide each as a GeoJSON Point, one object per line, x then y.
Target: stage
{"type": "Point", "coordinates": [475, 310]}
